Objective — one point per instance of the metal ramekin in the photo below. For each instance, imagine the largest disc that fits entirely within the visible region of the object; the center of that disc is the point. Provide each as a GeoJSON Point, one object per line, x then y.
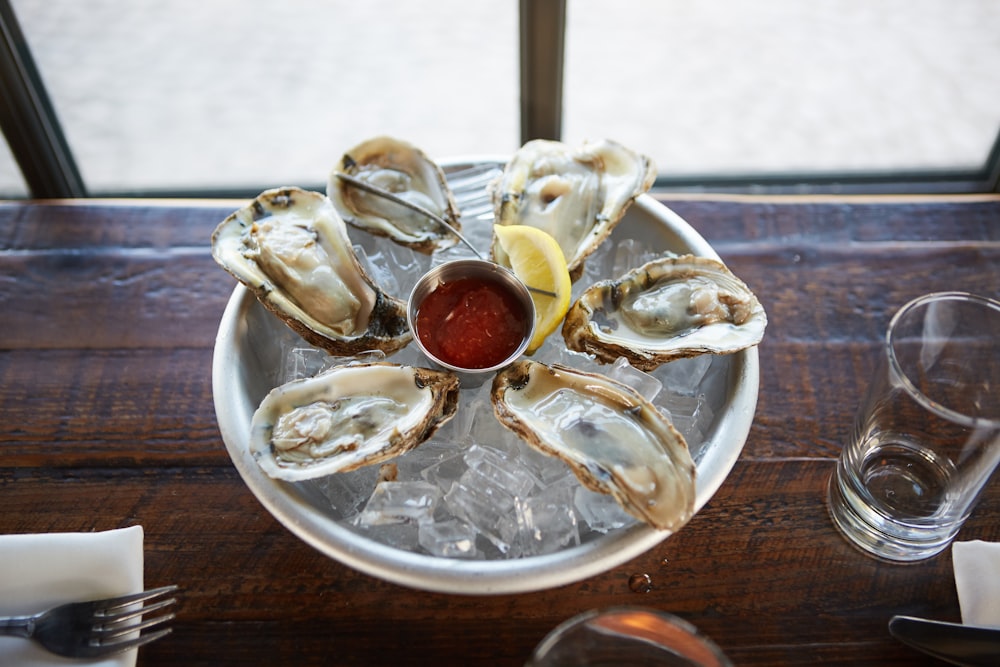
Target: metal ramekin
{"type": "Point", "coordinates": [483, 270]}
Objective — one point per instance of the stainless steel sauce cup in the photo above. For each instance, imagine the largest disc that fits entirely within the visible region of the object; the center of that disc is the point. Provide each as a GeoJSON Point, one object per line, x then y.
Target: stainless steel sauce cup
{"type": "Point", "coordinates": [481, 270]}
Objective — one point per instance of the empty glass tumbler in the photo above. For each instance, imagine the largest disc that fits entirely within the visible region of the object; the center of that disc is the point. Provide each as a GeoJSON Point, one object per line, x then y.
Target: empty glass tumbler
{"type": "Point", "coordinates": [627, 637]}
{"type": "Point", "coordinates": [926, 437]}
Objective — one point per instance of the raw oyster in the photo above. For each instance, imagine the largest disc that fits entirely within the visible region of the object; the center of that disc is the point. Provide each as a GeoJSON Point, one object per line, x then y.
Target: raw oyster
{"type": "Point", "coordinates": [291, 249]}
{"type": "Point", "coordinates": [577, 195]}
{"type": "Point", "coordinates": [404, 171]}
{"type": "Point", "coordinates": [348, 417]}
{"type": "Point", "coordinates": [614, 440]}
{"type": "Point", "coordinates": [669, 308]}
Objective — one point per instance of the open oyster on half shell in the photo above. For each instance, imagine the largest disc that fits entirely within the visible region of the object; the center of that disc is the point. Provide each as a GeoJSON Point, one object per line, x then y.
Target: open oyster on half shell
{"type": "Point", "coordinates": [669, 308]}
{"type": "Point", "coordinates": [614, 440]}
{"type": "Point", "coordinates": [577, 195]}
{"type": "Point", "coordinates": [291, 249]}
{"type": "Point", "coordinates": [348, 417]}
{"type": "Point", "coordinates": [405, 172]}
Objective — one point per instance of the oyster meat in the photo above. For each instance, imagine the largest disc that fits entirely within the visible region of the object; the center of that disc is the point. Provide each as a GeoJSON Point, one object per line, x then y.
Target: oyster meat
{"type": "Point", "coordinates": [404, 171]}
{"type": "Point", "coordinates": [577, 195]}
{"type": "Point", "coordinates": [669, 308]}
{"type": "Point", "coordinates": [614, 440]}
{"type": "Point", "coordinates": [291, 249]}
{"type": "Point", "coordinates": [348, 417]}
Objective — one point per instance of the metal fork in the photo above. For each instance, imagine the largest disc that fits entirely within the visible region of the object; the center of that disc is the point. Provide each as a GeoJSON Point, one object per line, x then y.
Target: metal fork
{"type": "Point", "coordinates": [98, 628]}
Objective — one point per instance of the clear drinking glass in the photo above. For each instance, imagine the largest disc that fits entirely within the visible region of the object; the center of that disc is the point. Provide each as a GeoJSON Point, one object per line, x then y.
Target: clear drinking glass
{"type": "Point", "coordinates": [624, 637]}
{"type": "Point", "coordinates": [926, 437]}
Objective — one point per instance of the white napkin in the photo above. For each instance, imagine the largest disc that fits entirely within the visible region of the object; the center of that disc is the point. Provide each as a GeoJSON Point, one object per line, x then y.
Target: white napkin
{"type": "Point", "coordinates": [39, 571]}
{"type": "Point", "coordinates": [977, 578]}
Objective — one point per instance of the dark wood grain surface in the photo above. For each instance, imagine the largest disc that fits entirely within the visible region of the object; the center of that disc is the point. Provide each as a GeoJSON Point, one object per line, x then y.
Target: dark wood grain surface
{"type": "Point", "coordinates": [110, 311]}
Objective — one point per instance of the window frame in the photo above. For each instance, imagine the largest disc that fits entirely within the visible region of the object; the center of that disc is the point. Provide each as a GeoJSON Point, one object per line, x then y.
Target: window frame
{"type": "Point", "coordinates": [28, 120]}
{"type": "Point", "coordinates": [39, 146]}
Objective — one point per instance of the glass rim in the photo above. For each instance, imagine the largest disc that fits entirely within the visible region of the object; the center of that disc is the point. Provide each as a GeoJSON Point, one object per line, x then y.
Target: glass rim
{"type": "Point", "coordinates": [920, 397]}
{"type": "Point", "coordinates": [704, 642]}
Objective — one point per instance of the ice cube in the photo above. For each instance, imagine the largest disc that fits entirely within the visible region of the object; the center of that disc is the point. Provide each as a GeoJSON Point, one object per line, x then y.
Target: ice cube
{"type": "Point", "coordinates": [449, 539]}
{"type": "Point", "coordinates": [631, 254]}
{"type": "Point", "coordinates": [684, 376]}
{"type": "Point", "coordinates": [347, 492]}
{"type": "Point", "coordinates": [475, 407]}
{"type": "Point", "coordinates": [644, 383]}
{"type": "Point", "coordinates": [560, 354]}
{"type": "Point", "coordinates": [597, 265]}
{"type": "Point", "coordinates": [600, 511]}
{"type": "Point", "coordinates": [544, 468]}
{"type": "Point", "coordinates": [691, 415]}
{"type": "Point", "coordinates": [400, 502]}
{"type": "Point", "coordinates": [404, 535]}
{"type": "Point", "coordinates": [378, 268]}
{"type": "Point", "coordinates": [701, 423]}
{"type": "Point", "coordinates": [444, 472]}
{"type": "Point", "coordinates": [498, 468]}
{"type": "Point", "coordinates": [543, 523]}
{"type": "Point", "coordinates": [715, 382]}
{"type": "Point", "coordinates": [302, 362]}
{"type": "Point", "coordinates": [483, 507]}
{"type": "Point", "coordinates": [486, 430]}
{"type": "Point", "coordinates": [413, 463]}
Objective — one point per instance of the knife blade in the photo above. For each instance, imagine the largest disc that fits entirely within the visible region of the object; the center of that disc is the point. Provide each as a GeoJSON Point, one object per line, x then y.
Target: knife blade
{"type": "Point", "coordinates": [958, 644]}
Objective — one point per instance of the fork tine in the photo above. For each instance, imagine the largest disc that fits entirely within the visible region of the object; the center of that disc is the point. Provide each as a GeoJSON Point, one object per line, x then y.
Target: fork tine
{"type": "Point", "coordinates": [109, 632]}
{"type": "Point", "coordinates": [112, 605]}
{"type": "Point", "coordinates": [124, 644]}
{"type": "Point", "coordinates": [130, 612]}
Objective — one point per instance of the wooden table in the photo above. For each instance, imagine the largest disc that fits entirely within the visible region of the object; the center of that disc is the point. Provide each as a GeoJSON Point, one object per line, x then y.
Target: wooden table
{"type": "Point", "coordinates": [110, 311]}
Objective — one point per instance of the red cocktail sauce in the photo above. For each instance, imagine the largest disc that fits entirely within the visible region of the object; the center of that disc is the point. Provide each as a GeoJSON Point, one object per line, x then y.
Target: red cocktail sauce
{"type": "Point", "coordinates": [471, 323]}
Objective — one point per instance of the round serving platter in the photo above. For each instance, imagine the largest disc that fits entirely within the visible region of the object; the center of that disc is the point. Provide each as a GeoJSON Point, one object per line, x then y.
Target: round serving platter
{"type": "Point", "coordinates": [247, 360]}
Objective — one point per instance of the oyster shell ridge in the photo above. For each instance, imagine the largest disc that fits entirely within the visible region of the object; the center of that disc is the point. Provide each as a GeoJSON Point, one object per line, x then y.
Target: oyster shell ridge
{"type": "Point", "coordinates": [437, 391]}
{"type": "Point", "coordinates": [669, 502]}
{"type": "Point", "coordinates": [585, 327]}
{"type": "Point", "coordinates": [574, 184]}
{"type": "Point", "coordinates": [390, 154]}
{"type": "Point", "coordinates": [386, 327]}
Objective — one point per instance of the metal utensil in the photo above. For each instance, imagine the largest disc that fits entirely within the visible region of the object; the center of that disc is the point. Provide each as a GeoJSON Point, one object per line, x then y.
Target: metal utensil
{"type": "Point", "coordinates": [97, 628]}
{"type": "Point", "coordinates": [952, 642]}
{"type": "Point", "coordinates": [469, 188]}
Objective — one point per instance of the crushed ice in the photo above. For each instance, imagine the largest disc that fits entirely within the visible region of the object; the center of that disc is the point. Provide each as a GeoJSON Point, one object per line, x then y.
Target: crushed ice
{"type": "Point", "coordinates": [475, 490]}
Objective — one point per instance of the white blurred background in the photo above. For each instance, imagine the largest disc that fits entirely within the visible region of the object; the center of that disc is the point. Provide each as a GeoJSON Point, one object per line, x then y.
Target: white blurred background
{"type": "Point", "coordinates": [189, 94]}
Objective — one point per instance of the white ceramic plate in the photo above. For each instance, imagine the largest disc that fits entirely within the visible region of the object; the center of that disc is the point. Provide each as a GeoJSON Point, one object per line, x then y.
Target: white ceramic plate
{"type": "Point", "coordinates": [245, 364]}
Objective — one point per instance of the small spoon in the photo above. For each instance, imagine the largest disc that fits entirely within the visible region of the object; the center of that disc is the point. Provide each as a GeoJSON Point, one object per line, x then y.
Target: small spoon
{"type": "Point", "coordinates": [375, 190]}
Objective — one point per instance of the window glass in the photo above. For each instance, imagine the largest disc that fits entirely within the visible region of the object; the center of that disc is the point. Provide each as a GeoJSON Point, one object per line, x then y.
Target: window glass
{"type": "Point", "coordinates": [12, 185]}
{"type": "Point", "coordinates": [189, 94]}
{"type": "Point", "coordinates": [787, 86]}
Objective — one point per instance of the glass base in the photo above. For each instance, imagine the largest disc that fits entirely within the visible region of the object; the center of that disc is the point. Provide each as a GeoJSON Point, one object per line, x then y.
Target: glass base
{"type": "Point", "coordinates": [875, 534]}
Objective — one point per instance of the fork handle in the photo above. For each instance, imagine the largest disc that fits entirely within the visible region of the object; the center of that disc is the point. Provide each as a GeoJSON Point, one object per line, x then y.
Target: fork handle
{"type": "Point", "coordinates": [17, 626]}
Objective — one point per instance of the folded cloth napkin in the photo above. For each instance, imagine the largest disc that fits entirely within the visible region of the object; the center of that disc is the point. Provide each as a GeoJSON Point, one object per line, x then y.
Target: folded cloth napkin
{"type": "Point", "coordinates": [40, 571]}
{"type": "Point", "coordinates": [977, 578]}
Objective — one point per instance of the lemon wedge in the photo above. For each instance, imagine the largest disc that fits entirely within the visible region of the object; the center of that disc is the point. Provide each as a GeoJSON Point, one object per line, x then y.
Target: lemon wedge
{"type": "Point", "coordinates": [536, 258]}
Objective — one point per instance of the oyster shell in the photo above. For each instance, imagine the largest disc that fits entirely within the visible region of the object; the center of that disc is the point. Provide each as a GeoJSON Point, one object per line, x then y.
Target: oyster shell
{"type": "Point", "coordinates": [577, 195]}
{"type": "Point", "coordinates": [348, 417]}
{"type": "Point", "coordinates": [404, 171]}
{"type": "Point", "coordinates": [291, 249]}
{"type": "Point", "coordinates": [669, 308]}
{"type": "Point", "coordinates": [613, 439]}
